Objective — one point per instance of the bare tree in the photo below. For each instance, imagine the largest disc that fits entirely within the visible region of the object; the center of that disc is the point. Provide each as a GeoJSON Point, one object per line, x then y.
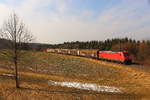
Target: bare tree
{"type": "Point", "coordinates": [17, 34]}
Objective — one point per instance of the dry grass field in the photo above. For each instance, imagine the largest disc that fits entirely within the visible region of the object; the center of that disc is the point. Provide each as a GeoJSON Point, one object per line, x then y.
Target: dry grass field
{"type": "Point", "coordinates": [36, 69]}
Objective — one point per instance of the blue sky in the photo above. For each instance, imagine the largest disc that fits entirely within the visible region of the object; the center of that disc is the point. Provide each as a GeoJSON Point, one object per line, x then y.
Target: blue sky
{"type": "Point", "coordinates": [57, 21]}
{"type": "Point", "coordinates": [95, 5]}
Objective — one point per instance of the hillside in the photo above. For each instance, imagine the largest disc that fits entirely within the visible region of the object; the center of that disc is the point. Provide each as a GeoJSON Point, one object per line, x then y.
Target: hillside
{"type": "Point", "coordinates": [38, 68]}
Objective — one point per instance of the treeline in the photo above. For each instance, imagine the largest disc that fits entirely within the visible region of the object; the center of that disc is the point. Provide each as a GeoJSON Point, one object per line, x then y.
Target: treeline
{"type": "Point", "coordinates": [5, 44]}
{"type": "Point", "coordinates": [102, 45]}
{"type": "Point", "coordinates": [140, 50]}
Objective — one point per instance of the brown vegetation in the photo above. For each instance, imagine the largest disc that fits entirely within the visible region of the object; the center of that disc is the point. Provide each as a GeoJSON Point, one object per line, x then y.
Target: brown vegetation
{"type": "Point", "coordinates": [35, 73]}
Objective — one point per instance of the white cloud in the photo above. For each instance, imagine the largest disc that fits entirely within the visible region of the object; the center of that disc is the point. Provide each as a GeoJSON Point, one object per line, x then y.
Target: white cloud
{"type": "Point", "coordinates": [4, 10]}
{"type": "Point", "coordinates": [57, 25]}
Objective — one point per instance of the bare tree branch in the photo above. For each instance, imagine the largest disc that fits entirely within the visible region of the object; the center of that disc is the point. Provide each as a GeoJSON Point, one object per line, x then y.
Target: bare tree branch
{"type": "Point", "coordinates": [17, 34]}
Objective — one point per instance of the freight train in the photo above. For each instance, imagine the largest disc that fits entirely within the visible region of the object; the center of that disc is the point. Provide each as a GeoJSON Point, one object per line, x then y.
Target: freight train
{"type": "Point", "coordinates": [117, 56]}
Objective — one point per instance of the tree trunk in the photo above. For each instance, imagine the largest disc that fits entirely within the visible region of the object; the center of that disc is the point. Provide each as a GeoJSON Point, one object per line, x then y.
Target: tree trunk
{"type": "Point", "coordinates": [16, 73]}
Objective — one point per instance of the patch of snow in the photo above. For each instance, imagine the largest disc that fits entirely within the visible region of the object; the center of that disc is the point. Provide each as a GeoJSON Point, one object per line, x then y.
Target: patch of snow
{"type": "Point", "coordinates": [87, 86]}
{"type": "Point", "coordinates": [10, 75]}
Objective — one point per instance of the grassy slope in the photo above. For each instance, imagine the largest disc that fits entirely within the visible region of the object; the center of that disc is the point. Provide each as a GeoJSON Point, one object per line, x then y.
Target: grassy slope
{"type": "Point", "coordinates": [69, 68]}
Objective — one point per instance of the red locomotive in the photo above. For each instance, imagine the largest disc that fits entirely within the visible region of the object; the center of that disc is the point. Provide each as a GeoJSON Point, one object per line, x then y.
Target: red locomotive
{"type": "Point", "coordinates": [121, 56]}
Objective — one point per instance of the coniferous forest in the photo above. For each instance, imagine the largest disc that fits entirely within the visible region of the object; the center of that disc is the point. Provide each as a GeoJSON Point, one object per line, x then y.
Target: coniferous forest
{"type": "Point", "coordinates": [139, 49]}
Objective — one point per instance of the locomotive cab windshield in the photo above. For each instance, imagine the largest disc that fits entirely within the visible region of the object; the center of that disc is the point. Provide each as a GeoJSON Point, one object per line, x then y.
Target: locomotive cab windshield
{"type": "Point", "coordinates": [126, 54]}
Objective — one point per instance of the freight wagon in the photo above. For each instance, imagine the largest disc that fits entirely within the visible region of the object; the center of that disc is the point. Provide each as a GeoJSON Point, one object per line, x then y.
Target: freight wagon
{"type": "Point", "coordinates": [121, 56]}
